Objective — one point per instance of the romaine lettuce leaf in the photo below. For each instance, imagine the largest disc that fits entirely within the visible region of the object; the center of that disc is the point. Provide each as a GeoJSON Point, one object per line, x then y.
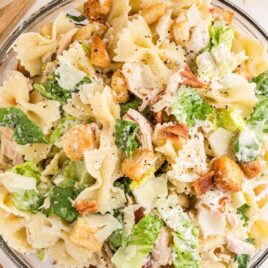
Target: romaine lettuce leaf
{"type": "Point", "coordinates": [140, 243]}
{"type": "Point", "coordinates": [221, 33]}
{"type": "Point", "coordinates": [185, 232]}
{"type": "Point", "coordinates": [125, 136]}
{"type": "Point", "coordinates": [242, 260]}
{"type": "Point", "coordinates": [189, 106]}
{"type": "Point", "coordinates": [28, 169]}
{"type": "Point", "coordinates": [243, 212]}
{"type": "Point", "coordinates": [25, 131]}
{"type": "Point", "coordinates": [261, 84]}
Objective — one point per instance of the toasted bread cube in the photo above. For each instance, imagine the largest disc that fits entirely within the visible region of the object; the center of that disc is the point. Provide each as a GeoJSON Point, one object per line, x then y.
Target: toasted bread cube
{"type": "Point", "coordinates": [96, 10]}
{"type": "Point", "coordinates": [153, 12]}
{"type": "Point", "coordinates": [85, 207]}
{"type": "Point", "coordinates": [228, 176]}
{"type": "Point", "coordinates": [119, 87]}
{"type": "Point", "coordinates": [204, 183]}
{"type": "Point", "coordinates": [99, 55]}
{"type": "Point", "coordinates": [252, 169]}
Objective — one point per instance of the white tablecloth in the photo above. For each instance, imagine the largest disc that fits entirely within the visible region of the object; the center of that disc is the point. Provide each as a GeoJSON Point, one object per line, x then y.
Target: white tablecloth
{"type": "Point", "coordinates": [256, 8]}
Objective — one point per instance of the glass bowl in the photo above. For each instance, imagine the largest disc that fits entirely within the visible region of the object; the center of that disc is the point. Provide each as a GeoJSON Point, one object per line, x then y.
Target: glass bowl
{"type": "Point", "coordinates": [243, 23]}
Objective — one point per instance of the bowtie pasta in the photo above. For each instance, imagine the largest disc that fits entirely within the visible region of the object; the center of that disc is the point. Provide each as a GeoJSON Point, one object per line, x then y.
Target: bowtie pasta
{"type": "Point", "coordinates": [134, 135]}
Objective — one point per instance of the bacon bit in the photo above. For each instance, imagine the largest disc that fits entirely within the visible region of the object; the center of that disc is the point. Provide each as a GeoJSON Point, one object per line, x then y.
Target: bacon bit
{"type": "Point", "coordinates": [252, 169]}
{"type": "Point", "coordinates": [85, 207]}
{"type": "Point", "coordinates": [222, 14]}
{"type": "Point", "coordinates": [139, 214]}
{"type": "Point", "coordinates": [175, 132]}
{"type": "Point", "coordinates": [223, 202]}
{"type": "Point", "coordinates": [189, 79]}
{"type": "Point", "coordinates": [204, 183]}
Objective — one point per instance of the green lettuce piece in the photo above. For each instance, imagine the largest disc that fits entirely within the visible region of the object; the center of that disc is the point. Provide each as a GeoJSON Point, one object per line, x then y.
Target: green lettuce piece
{"type": "Point", "coordinates": [125, 136]}
{"type": "Point", "coordinates": [243, 212]}
{"type": "Point", "coordinates": [28, 200]}
{"type": "Point", "coordinates": [65, 124]}
{"type": "Point", "coordinates": [25, 131]}
{"type": "Point", "coordinates": [231, 120]}
{"type": "Point", "coordinates": [132, 104]}
{"type": "Point", "coordinates": [259, 118]}
{"type": "Point", "coordinates": [140, 243]}
{"type": "Point", "coordinates": [261, 84]}
{"type": "Point", "coordinates": [61, 204]}
{"type": "Point", "coordinates": [52, 91]}
{"type": "Point", "coordinates": [243, 260]}
{"type": "Point", "coordinates": [247, 147]}
{"type": "Point", "coordinates": [185, 232]}
{"type": "Point", "coordinates": [76, 18]}
{"type": "Point", "coordinates": [41, 254]}
{"type": "Point", "coordinates": [221, 34]}
{"type": "Point", "coordinates": [124, 184]}
{"type": "Point", "coordinates": [189, 106]}
{"type": "Point", "coordinates": [28, 169]}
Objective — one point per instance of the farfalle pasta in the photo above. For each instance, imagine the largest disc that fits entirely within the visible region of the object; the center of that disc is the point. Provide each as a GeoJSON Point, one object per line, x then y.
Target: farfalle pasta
{"type": "Point", "coordinates": [134, 134]}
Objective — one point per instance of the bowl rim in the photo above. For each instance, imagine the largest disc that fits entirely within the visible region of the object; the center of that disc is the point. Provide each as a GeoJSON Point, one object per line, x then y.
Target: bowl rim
{"type": "Point", "coordinates": [7, 46]}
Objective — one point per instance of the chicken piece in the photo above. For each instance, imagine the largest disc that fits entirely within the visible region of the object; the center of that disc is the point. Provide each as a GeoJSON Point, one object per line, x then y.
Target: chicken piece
{"type": "Point", "coordinates": [176, 131]}
{"type": "Point", "coordinates": [222, 14]}
{"type": "Point", "coordinates": [99, 55]}
{"type": "Point", "coordinates": [204, 183]}
{"type": "Point", "coordinates": [79, 139]}
{"type": "Point", "coordinates": [252, 169]}
{"type": "Point", "coordinates": [189, 79]}
{"type": "Point", "coordinates": [140, 164]}
{"type": "Point", "coordinates": [120, 87]}
{"type": "Point", "coordinates": [9, 147]}
{"type": "Point", "coordinates": [181, 32]}
{"type": "Point", "coordinates": [96, 10]}
{"type": "Point", "coordinates": [161, 253]}
{"type": "Point", "coordinates": [228, 176]}
{"type": "Point", "coordinates": [46, 30]}
{"type": "Point", "coordinates": [83, 235]}
{"type": "Point", "coordinates": [153, 12]}
{"type": "Point", "coordinates": [85, 207]}
{"type": "Point", "coordinates": [88, 31]}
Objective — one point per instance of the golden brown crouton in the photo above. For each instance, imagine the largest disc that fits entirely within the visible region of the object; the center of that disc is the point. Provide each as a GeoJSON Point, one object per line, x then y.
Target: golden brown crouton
{"type": "Point", "coordinates": [140, 164]}
{"type": "Point", "coordinates": [189, 79]}
{"type": "Point", "coordinates": [77, 140]}
{"type": "Point", "coordinates": [153, 12]}
{"type": "Point", "coordinates": [99, 55]}
{"type": "Point", "coordinates": [83, 235]}
{"type": "Point", "coordinates": [222, 14]}
{"type": "Point", "coordinates": [176, 131]}
{"type": "Point", "coordinates": [88, 31]}
{"type": "Point", "coordinates": [181, 32]}
{"type": "Point", "coordinates": [228, 176]}
{"type": "Point", "coordinates": [119, 87]}
{"type": "Point", "coordinates": [85, 207]}
{"type": "Point", "coordinates": [204, 183]}
{"type": "Point", "coordinates": [96, 10]}
{"type": "Point", "coordinates": [252, 169]}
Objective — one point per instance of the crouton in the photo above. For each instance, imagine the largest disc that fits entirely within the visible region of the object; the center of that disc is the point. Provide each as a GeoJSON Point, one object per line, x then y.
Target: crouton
{"type": "Point", "coordinates": [85, 207]}
{"type": "Point", "coordinates": [119, 87]}
{"type": "Point", "coordinates": [96, 10]}
{"type": "Point", "coordinates": [228, 176]}
{"type": "Point", "coordinates": [175, 131]}
{"type": "Point", "coordinates": [252, 169]}
{"type": "Point", "coordinates": [99, 55]}
{"type": "Point", "coordinates": [204, 183]}
{"type": "Point", "coordinates": [153, 12]}
{"type": "Point", "coordinates": [140, 164]}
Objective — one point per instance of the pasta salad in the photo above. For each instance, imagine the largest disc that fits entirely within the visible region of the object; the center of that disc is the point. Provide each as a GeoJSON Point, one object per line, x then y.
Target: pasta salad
{"type": "Point", "coordinates": [133, 134]}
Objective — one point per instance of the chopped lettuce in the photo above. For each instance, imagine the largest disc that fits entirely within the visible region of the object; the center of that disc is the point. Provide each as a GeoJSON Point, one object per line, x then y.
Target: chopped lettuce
{"type": "Point", "coordinates": [64, 124]}
{"type": "Point", "coordinates": [231, 120]}
{"type": "Point", "coordinates": [41, 254]}
{"type": "Point", "coordinates": [76, 18]}
{"type": "Point", "coordinates": [132, 104]}
{"type": "Point", "coordinates": [140, 243]}
{"type": "Point", "coordinates": [259, 118]}
{"type": "Point", "coordinates": [125, 136]}
{"type": "Point", "coordinates": [189, 106]}
{"type": "Point", "coordinates": [124, 184]}
{"type": "Point", "coordinates": [247, 147]}
{"type": "Point", "coordinates": [261, 84]}
{"type": "Point", "coordinates": [242, 260]}
{"type": "Point", "coordinates": [221, 33]}
{"type": "Point", "coordinates": [28, 169]}
{"type": "Point", "coordinates": [185, 232]}
{"type": "Point", "coordinates": [25, 131]}
{"type": "Point", "coordinates": [61, 203]}
{"type": "Point", "coordinates": [243, 212]}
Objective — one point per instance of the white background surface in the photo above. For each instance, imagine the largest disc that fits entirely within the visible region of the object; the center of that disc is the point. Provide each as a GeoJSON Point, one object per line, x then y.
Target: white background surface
{"type": "Point", "coordinates": [258, 9]}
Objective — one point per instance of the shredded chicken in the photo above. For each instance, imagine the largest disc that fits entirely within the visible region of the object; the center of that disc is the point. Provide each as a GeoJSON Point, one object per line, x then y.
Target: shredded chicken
{"type": "Point", "coordinates": [189, 79]}
{"type": "Point", "coordinates": [252, 169]}
{"type": "Point", "coordinates": [145, 128]}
